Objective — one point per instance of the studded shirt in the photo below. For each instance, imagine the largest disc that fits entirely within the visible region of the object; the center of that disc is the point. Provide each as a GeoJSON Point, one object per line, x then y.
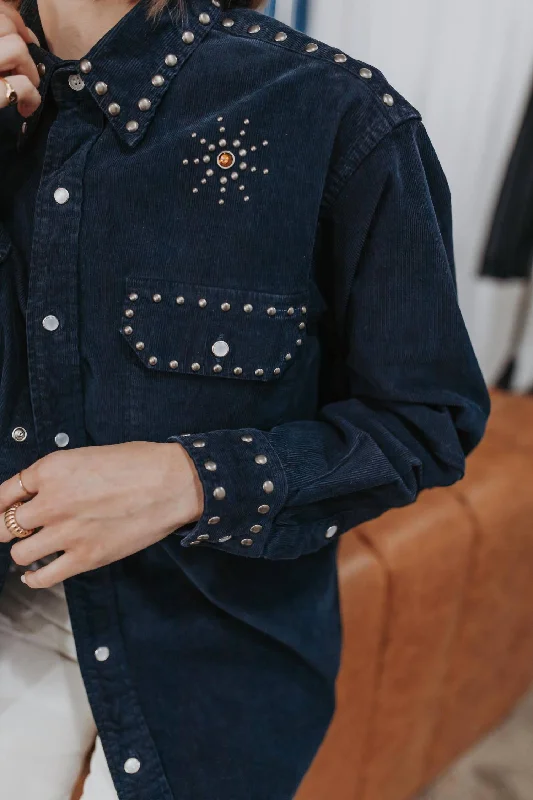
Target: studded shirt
{"type": "Point", "coordinates": [218, 232]}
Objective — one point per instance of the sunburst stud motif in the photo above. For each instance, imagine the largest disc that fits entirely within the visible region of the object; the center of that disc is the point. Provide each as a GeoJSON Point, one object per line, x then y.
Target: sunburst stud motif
{"type": "Point", "coordinates": [217, 154]}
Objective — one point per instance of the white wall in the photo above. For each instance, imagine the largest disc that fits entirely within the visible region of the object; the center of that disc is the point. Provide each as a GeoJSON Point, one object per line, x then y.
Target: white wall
{"type": "Point", "coordinates": [467, 66]}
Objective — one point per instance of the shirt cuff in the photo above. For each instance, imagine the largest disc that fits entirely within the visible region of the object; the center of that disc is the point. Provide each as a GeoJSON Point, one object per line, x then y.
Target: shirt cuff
{"type": "Point", "coordinates": [244, 487]}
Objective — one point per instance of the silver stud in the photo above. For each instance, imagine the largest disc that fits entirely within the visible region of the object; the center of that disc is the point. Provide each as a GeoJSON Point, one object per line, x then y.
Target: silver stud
{"type": "Point", "coordinates": [253, 148]}
{"type": "Point", "coordinates": [216, 3]}
{"type": "Point", "coordinates": [298, 342]}
{"type": "Point", "coordinates": [219, 493]}
{"type": "Point", "coordinates": [246, 121]}
{"type": "Point", "coordinates": [388, 99]}
{"type": "Point", "coordinates": [236, 143]}
{"type": "Point", "coordinates": [195, 542]}
{"type": "Point", "coordinates": [19, 434]}
{"type": "Point", "coordinates": [206, 159]}
{"type": "Point", "coordinates": [281, 36]}
{"type": "Point", "coordinates": [102, 653]}
{"type": "Point", "coordinates": [132, 765]}
{"type": "Point", "coordinates": [158, 80]}
{"type": "Point", "coordinates": [242, 188]}
{"type": "Point", "coordinates": [139, 346]}
{"type": "Point", "coordinates": [194, 135]}
{"type": "Point", "coordinates": [247, 542]}
{"type": "Point", "coordinates": [152, 361]}
{"type": "Point", "coordinates": [265, 143]}
{"type": "Point", "coordinates": [254, 29]}
{"type": "Point", "coordinates": [114, 109]}
{"type": "Point", "coordinates": [195, 190]}
{"type": "Point", "coordinates": [224, 539]}
{"type": "Point", "coordinates": [129, 313]}
{"type": "Point", "coordinates": [196, 160]}
{"type": "Point", "coordinates": [246, 199]}
{"type": "Point", "coordinates": [301, 326]}
{"type": "Point", "coordinates": [268, 487]}
{"type": "Point", "coordinates": [204, 537]}
{"type": "Point", "coordinates": [340, 58]}
{"type": "Point", "coordinates": [213, 520]}
{"type": "Point", "coordinates": [247, 438]}
{"type": "Point", "coordinates": [277, 371]}
{"type": "Point", "coordinates": [209, 173]}
{"type": "Point", "coordinates": [205, 19]}
{"type": "Point", "coordinates": [243, 133]}
{"type": "Point", "coordinates": [202, 302]}
{"type": "Point", "coordinates": [85, 66]}
{"type": "Point", "coordinates": [234, 176]}
{"type": "Point", "coordinates": [263, 509]}
{"type": "Point", "coordinates": [41, 69]}
{"type": "Point", "coordinates": [259, 373]}
{"type": "Point", "coordinates": [220, 119]}
{"type": "Point", "coordinates": [256, 529]}
{"type": "Point", "coordinates": [173, 365]}
{"type": "Point", "coordinates": [288, 357]}
{"type": "Point", "coordinates": [271, 311]}
{"type": "Point", "coordinates": [188, 37]}
{"type": "Point", "coordinates": [223, 180]}
{"type": "Point", "coordinates": [365, 73]}
{"type": "Point", "coordinates": [290, 311]}
{"type": "Point", "coordinates": [243, 165]}
{"type": "Point", "coordinates": [61, 439]}
{"type": "Point", "coordinates": [217, 368]}
{"type": "Point", "coordinates": [225, 306]}
{"type": "Point", "coordinates": [254, 169]}
{"type": "Point", "coordinates": [128, 330]}
{"type": "Point", "coordinates": [198, 443]}
{"type": "Point", "coordinates": [212, 148]}
{"type": "Point", "coordinates": [185, 161]}
{"type": "Point", "coordinates": [221, 202]}
{"type": "Point", "coordinates": [203, 141]}
{"type": "Point", "coordinates": [210, 466]}
{"type": "Point", "coordinates": [248, 308]}
{"type": "Point", "coordinates": [61, 195]}
{"type": "Point", "coordinates": [195, 367]}
{"type": "Point", "coordinates": [144, 104]}
{"type": "Point", "coordinates": [222, 130]}
{"type": "Point", "coordinates": [223, 142]}
{"type": "Point", "coordinates": [171, 60]}
{"type": "Point", "coordinates": [237, 371]}
{"type": "Point", "coordinates": [330, 533]}
{"type": "Point", "coordinates": [24, 127]}
{"type": "Point", "coordinates": [228, 23]}
{"type": "Point", "coordinates": [133, 296]}
{"type": "Point", "coordinates": [156, 298]}
{"type": "Point", "coordinates": [100, 87]}
{"type": "Point", "coordinates": [220, 348]}
{"type": "Point", "coordinates": [312, 47]}
{"type": "Point", "coordinates": [261, 459]}
{"type": "Point", "coordinates": [304, 309]}
{"type": "Point", "coordinates": [180, 300]}
{"type": "Point", "coordinates": [132, 125]}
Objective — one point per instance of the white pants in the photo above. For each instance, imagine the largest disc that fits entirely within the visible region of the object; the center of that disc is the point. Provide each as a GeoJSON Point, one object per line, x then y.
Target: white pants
{"type": "Point", "coordinates": [46, 725]}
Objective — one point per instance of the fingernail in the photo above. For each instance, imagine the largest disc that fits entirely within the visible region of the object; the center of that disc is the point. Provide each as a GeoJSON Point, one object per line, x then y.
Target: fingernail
{"type": "Point", "coordinates": [33, 37]}
{"type": "Point", "coordinates": [23, 577]}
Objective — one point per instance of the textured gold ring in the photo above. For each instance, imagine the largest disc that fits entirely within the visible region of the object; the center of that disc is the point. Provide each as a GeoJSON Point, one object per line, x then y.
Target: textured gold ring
{"type": "Point", "coordinates": [11, 95]}
{"type": "Point", "coordinates": [12, 524]}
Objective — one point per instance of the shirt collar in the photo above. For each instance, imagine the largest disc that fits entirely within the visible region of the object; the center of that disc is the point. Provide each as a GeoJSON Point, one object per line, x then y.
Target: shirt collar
{"type": "Point", "coordinates": [130, 68]}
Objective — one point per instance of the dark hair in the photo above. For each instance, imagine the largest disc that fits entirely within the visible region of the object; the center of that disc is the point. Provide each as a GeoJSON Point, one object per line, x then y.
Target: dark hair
{"type": "Point", "coordinates": [158, 5]}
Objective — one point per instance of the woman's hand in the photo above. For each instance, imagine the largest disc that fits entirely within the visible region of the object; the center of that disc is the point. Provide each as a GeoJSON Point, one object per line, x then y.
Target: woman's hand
{"type": "Point", "coordinates": [97, 505]}
{"type": "Point", "coordinates": [16, 64]}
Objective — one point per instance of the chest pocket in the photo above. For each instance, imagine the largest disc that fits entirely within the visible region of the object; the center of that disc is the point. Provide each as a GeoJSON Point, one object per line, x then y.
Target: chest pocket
{"type": "Point", "coordinates": [223, 333]}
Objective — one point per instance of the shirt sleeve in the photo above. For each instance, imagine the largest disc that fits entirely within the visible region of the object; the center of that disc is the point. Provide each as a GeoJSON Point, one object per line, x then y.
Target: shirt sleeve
{"type": "Point", "coordinates": [413, 401]}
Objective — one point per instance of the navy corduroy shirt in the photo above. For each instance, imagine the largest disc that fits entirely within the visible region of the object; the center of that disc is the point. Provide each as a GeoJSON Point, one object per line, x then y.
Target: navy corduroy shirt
{"type": "Point", "coordinates": [219, 232]}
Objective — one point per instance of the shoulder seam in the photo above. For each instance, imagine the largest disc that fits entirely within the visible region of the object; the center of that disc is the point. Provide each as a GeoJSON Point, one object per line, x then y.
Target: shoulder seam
{"type": "Point", "coordinates": [247, 24]}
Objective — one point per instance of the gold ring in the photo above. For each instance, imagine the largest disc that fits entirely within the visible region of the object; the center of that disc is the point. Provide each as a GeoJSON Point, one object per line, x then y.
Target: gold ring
{"type": "Point", "coordinates": [22, 485]}
{"type": "Point", "coordinates": [12, 524]}
{"type": "Point", "coordinates": [11, 95]}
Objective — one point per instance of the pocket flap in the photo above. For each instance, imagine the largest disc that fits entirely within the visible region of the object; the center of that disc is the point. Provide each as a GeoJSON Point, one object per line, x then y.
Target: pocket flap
{"type": "Point", "coordinates": [200, 330]}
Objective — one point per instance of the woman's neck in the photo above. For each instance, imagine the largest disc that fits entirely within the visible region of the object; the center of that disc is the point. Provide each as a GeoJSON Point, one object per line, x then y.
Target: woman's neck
{"type": "Point", "coordinates": [72, 27]}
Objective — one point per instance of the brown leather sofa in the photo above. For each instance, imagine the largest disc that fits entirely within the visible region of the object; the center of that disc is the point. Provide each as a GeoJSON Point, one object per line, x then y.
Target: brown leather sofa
{"type": "Point", "coordinates": [438, 623]}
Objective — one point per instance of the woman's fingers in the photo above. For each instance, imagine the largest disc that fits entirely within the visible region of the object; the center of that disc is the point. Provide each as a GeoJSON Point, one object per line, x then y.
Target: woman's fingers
{"type": "Point", "coordinates": [29, 98]}
{"type": "Point", "coordinates": [57, 571]}
{"type": "Point", "coordinates": [13, 15]}
{"type": "Point", "coordinates": [42, 544]}
{"type": "Point", "coordinates": [15, 58]}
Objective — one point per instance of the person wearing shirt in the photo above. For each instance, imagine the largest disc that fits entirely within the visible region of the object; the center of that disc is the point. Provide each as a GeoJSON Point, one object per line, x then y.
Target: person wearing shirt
{"type": "Point", "coordinates": [229, 334]}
